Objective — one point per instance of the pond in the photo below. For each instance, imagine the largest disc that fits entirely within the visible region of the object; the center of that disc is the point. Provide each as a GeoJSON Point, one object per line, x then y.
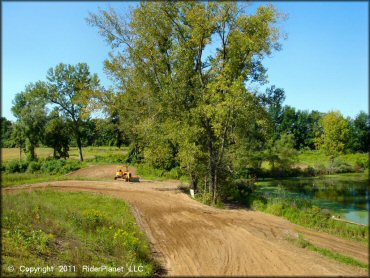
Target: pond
{"type": "Point", "coordinates": [345, 195]}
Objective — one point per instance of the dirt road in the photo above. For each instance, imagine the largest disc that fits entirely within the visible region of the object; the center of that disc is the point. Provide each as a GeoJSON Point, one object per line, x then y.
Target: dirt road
{"type": "Point", "coordinates": [193, 239]}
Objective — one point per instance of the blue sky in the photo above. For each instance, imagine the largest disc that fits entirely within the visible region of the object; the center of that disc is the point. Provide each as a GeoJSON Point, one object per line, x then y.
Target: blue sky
{"type": "Point", "coordinates": [323, 64]}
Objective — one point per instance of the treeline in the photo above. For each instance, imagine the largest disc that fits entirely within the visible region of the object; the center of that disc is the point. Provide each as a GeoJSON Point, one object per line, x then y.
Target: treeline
{"type": "Point", "coordinates": [178, 105]}
{"type": "Point", "coordinates": [96, 132]}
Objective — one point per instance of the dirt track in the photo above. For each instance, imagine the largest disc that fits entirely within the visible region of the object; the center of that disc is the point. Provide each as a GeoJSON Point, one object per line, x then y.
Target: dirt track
{"type": "Point", "coordinates": [193, 239]}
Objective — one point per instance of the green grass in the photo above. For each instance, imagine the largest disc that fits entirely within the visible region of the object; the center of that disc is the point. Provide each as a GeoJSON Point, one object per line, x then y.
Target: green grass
{"type": "Point", "coordinates": [11, 179]}
{"type": "Point", "coordinates": [303, 243]}
{"type": "Point", "coordinates": [313, 158]}
{"type": "Point", "coordinates": [49, 228]}
{"type": "Point", "coordinates": [302, 212]}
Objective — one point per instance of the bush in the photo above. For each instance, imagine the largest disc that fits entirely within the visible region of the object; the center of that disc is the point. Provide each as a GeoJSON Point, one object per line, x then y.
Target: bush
{"type": "Point", "coordinates": [70, 167]}
{"type": "Point", "coordinates": [33, 167]}
{"type": "Point", "coordinates": [310, 171]}
{"type": "Point", "coordinates": [12, 166]}
{"type": "Point", "coordinates": [361, 164]}
{"type": "Point", "coordinates": [339, 166]}
{"type": "Point", "coordinates": [52, 166]}
{"type": "Point", "coordinates": [15, 166]}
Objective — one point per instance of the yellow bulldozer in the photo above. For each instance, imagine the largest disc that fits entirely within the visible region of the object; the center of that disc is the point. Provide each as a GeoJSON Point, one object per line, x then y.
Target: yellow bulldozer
{"type": "Point", "coordinates": [123, 172]}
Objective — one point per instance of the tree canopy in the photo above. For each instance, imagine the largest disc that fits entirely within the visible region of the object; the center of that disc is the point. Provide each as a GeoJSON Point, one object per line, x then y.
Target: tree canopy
{"type": "Point", "coordinates": [196, 107]}
{"type": "Point", "coordinates": [73, 89]}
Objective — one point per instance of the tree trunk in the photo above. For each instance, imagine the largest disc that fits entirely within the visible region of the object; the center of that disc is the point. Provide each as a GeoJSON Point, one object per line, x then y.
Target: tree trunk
{"type": "Point", "coordinates": [215, 187]}
{"type": "Point", "coordinates": [32, 151]}
{"type": "Point", "coordinates": [79, 145]}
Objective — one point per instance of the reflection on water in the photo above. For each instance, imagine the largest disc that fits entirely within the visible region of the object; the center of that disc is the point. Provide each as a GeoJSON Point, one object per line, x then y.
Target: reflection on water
{"type": "Point", "coordinates": [345, 195]}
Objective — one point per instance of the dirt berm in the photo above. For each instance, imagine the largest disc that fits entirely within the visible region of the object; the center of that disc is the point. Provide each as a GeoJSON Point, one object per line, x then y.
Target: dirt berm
{"type": "Point", "coordinates": [189, 238]}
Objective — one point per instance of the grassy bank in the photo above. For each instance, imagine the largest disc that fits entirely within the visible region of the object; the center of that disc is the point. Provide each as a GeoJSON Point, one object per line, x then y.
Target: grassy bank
{"type": "Point", "coordinates": [45, 227]}
{"type": "Point", "coordinates": [315, 158]}
{"type": "Point", "coordinates": [302, 212]}
{"type": "Point", "coordinates": [303, 243]}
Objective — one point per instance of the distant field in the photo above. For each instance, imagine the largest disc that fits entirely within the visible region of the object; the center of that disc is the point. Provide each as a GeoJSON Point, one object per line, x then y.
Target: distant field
{"type": "Point", "coordinates": [88, 152]}
{"type": "Point", "coordinates": [313, 158]}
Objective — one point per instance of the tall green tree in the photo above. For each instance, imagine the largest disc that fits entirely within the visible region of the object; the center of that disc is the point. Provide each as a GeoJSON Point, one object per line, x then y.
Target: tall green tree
{"type": "Point", "coordinates": [57, 135]}
{"type": "Point", "coordinates": [199, 104]}
{"type": "Point", "coordinates": [73, 89]}
{"type": "Point", "coordinates": [6, 132]}
{"type": "Point", "coordinates": [273, 99]}
{"type": "Point", "coordinates": [360, 133]}
{"type": "Point", "coordinates": [30, 111]}
{"type": "Point", "coordinates": [18, 137]}
{"type": "Point", "coordinates": [283, 153]}
{"type": "Point", "coordinates": [334, 139]}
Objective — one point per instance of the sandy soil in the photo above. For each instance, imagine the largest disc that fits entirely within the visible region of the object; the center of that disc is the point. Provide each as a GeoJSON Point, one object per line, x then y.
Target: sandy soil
{"type": "Point", "coordinates": [99, 171]}
{"type": "Point", "coordinates": [189, 238]}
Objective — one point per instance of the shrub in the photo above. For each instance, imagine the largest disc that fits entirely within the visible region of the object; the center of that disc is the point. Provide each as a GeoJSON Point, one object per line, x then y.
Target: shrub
{"type": "Point", "coordinates": [53, 166]}
{"type": "Point", "coordinates": [33, 167]}
{"type": "Point", "coordinates": [70, 167]}
{"type": "Point", "coordinates": [310, 171]}
{"type": "Point", "coordinates": [12, 166]}
{"type": "Point", "coordinates": [321, 169]}
{"type": "Point", "coordinates": [339, 166]}
{"type": "Point", "coordinates": [15, 166]}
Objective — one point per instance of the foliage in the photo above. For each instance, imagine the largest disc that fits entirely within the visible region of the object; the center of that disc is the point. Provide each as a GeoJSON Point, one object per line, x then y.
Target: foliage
{"type": "Point", "coordinates": [359, 132]}
{"type": "Point", "coordinates": [302, 212]}
{"type": "Point", "coordinates": [6, 133]}
{"type": "Point", "coordinates": [282, 153]}
{"type": "Point", "coordinates": [46, 166]}
{"type": "Point", "coordinates": [45, 227]}
{"type": "Point", "coordinates": [273, 100]}
{"type": "Point", "coordinates": [14, 166]}
{"type": "Point", "coordinates": [303, 125]}
{"type": "Point", "coordinates": [170, 91]}
{"type": "Point", "coordinates": [147, 171]}
{"type": "Point", "coordinates": [29, 109]}
{"type": "Point", "coordinates": [334, 139]}
{"type": "Point", "coordinates": [73, 90]}
{"type": "Point", "coordinates": [57, 135]}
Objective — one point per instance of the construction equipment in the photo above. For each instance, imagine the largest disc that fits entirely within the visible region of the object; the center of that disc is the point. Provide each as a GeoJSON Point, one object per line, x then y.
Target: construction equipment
{"type": "Point", "coordinates": [122, 172]}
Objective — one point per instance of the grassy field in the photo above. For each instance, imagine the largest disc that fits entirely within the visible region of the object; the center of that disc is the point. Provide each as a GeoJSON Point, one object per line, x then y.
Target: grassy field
{"type": "Point", "coordinates": [313, 158]}
{"type": "Point", "coordinates": [88, 152]}
{"type": "Point", "coordinates": [49, 228]}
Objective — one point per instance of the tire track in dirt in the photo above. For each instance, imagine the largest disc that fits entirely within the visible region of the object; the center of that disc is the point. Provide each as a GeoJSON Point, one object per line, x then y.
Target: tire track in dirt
{"type": "Point", "coordinates": [193, 239]}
